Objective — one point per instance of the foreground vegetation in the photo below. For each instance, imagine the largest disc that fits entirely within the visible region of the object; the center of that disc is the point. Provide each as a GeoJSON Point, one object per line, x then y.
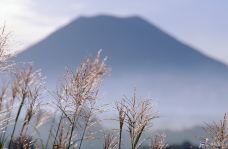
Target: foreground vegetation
{"type": "Point", "coordinates": [74, 109]}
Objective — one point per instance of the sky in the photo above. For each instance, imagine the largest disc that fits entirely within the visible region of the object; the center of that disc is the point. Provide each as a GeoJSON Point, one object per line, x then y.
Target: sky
{"type": "Point", "coordinates": [202, 24]}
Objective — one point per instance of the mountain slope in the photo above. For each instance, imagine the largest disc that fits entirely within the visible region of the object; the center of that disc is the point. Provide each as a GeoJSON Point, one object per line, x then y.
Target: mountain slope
{"type": "Point", "coordinates": [188, 85]}
{"type": "Point", "coordinates": [126, 41]}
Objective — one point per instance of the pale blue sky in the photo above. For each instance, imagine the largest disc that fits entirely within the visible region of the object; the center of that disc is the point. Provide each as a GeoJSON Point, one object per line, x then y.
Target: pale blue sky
{"type": "Point", "coordinates": [200, 23]}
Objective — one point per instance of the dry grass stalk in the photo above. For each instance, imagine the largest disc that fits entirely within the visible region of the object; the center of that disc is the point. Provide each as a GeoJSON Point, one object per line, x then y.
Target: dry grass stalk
{"type": "Point", "coordinates": [42, 116]}
{"type": "Point", "coordinates": [6, 107]}
{"type": "Point", "coordinates": [88, 120]}
{"type": "Point", "coordinates": [51, 132]}
{"type": "Point", "coordinates": [158, 142]}
{"type": "Point", "coordinates": [24, 142]}
{"type": "Point", "coordinates": [110, 141]}
{"type": "Point", "coordinates": [120, 106]}
{"type": "Point", "coordinates": [5, 54]}
{"type": "Point", "coordinates": [79, 90]}
{"type": "Point", "coordinates": [3, 93]}
{"type": "Point", "coordinates": [29, 84]}
{"type": "Point", "coordinates": [3, 114]}
{"type": "Point", "coordinates": [54, 133]}
{"type": "Point", "coordinates": [63, 137]}
{"type": "Point", "coordinates": [217, 134]}
{"type": "Point", "coordinates": [33, 108]}
{"type": "Point", "coordinates": [8, 96]}
{"type": "Point", "coordinates": [4, 119]}
{"type": "Point", "coordinates": [139, 115]}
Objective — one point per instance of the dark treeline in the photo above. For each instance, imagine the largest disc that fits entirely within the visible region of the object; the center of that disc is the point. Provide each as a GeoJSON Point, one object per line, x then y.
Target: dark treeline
{"type": "Point", "coordinates": [184, 145]}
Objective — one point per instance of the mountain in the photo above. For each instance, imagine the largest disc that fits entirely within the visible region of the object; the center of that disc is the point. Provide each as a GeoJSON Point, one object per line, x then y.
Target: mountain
{"type": "Point", "coordinates": [189, 87]}
{"type": "Point", "coordinates": [126, 41]}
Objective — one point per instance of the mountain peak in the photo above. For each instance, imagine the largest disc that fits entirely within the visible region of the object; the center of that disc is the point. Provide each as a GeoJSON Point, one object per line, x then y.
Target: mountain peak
{"type": "Point", "coordinates": [142, 43]}
{"type": "Point", "coordinates": [105, 17]}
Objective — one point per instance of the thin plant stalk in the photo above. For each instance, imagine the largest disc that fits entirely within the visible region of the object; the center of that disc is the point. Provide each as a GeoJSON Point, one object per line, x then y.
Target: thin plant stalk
{"type": "Point", "coordinates": [122, 114]}
{"type": "Point", "coordinates": [158, 142]}
{"type": "Point", "coordinates": [73, 123]}
{"type": "Point", "coordinates": [16, 120]}
{"type": "Point", "coordinates": [29, 84]}
{"type": "Point", "coordinates": [9, 115]}
{"type": "Point", "coordinates": [71, 134]}
{"type": "Point", "coordinates": [84, 130]}
{"type": "Point", "coordinates": [50, 133]}
{"type": "Point", "coordinates": [139, 115]}
{"type": "Point", "coordinates": [79, 89]}
{"type": "Point", "coordinates": [217, 134]}
{"type": "Point", "coordinates": [57, 131]}
{"type": "Point", "coordinates": [110, 141]}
